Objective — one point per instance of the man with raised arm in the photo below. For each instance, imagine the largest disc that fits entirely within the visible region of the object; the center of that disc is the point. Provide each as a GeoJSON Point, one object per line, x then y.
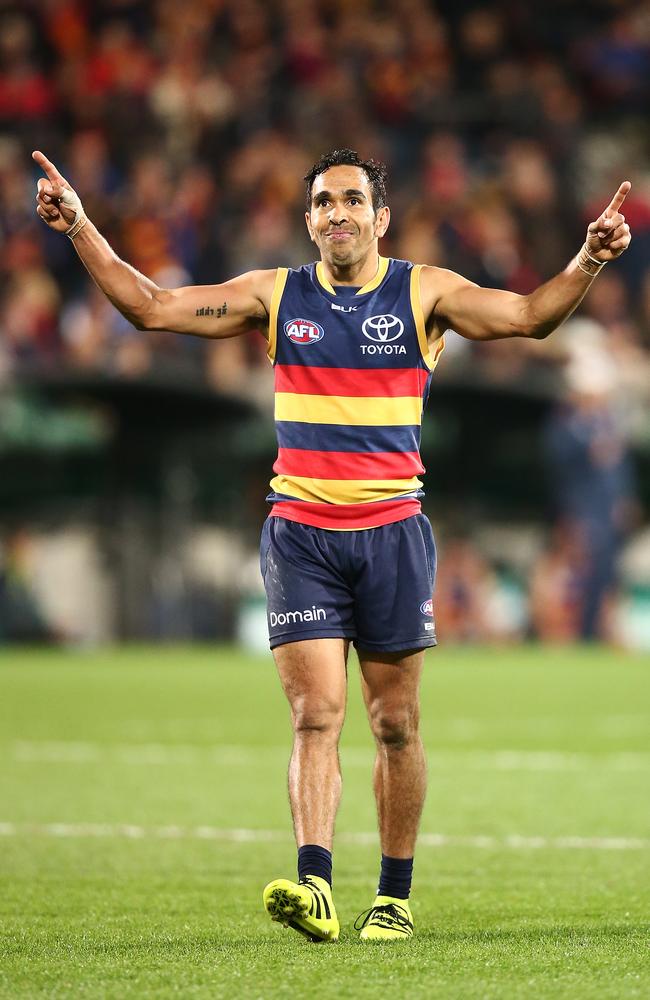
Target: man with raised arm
{"type": "Point", "coordinates": [346, 554]}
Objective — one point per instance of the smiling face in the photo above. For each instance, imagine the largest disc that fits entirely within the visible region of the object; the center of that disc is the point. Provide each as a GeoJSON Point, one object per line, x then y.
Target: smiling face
{"type": "Point", "coordinates": [342, 221]}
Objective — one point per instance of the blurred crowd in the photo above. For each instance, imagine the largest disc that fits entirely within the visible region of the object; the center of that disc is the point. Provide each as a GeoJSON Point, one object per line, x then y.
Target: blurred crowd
{"type": "Point", "coordinates": [187, 127]}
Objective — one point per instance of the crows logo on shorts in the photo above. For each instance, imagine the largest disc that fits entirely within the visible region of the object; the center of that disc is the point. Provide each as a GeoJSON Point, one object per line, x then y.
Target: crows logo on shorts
{"type": "Point", "coordinates": [427, 607]}
{"type": "Point", "coordinates": [303, 331]}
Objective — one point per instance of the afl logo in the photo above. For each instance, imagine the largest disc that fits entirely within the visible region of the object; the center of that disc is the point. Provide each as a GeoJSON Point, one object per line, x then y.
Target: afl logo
{"type": "Point", "coordinates": [383, 329]}
{"type": "Point", "coordinates": [302, 331]}
{"type": "Point", "coordinates": [427, 607]}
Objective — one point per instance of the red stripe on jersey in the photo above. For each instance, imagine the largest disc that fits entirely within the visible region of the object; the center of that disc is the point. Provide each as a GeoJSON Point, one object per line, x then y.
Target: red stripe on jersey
{"type": "Point", "coordinates": [348, 464]}
{"type": "Point", "coordinates": [346, 516]}
{"type": "Point", "coordinates": [350, 381]}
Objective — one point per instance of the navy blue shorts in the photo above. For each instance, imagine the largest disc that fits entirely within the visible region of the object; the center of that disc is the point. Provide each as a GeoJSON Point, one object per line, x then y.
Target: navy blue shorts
{"type": "Point", "coordinates": [373, 586]}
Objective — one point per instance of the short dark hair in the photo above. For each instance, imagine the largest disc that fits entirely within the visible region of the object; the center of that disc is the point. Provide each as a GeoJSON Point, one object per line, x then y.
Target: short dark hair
{"type": "Point", "coordinates": [374, 171]}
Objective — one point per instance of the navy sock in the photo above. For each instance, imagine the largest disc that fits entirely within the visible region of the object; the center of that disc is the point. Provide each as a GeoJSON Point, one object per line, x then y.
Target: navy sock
{"type": "Point", "coordinates": [395, 877]}
{"type": "Point", "coordinates": [315, 860]}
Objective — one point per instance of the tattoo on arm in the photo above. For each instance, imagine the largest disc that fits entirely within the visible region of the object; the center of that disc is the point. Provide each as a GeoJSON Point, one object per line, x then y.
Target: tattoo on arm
{"type": "Point", "coordinates": [210, 311]}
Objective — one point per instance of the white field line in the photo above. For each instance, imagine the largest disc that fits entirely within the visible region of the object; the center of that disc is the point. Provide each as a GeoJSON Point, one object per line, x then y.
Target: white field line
{"type": "Point", "coordinates": [618, 725]}
{"type": "Point", "coordinates": [608, 726]}
{"type": "Point", "coordinates": [131, 831]}
{"type": "Point", "coordinates": [241, 754]}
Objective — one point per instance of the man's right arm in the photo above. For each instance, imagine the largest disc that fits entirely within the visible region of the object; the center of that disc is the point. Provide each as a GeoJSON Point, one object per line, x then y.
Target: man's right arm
{"type": "Point", "coordinates": [224, 310]}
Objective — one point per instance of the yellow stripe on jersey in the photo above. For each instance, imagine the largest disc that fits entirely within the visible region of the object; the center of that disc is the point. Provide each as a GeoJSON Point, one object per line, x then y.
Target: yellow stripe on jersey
{"type": "Point", "coordinates": [382, 268]}
{"type": "Point", "coordinates": [431, 360]}
{"type": "Point", "coordinates": [439, 347]}
{"type": "Point", "coordinates": [418, 314]}
{"type": "Point", "coordinates": [375, 411]}
{"type": "Point", "coordinates": [343, 490]}
{"type": "Point", "coordinates": [320, 274]}
{"type": "Point", "coordinates": [278, 289]}
{"type": "Point", "coordinates": [378, 278]}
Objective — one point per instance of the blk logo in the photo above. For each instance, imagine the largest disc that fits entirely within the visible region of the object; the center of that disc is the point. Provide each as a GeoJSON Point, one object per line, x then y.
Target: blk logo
{"type": "Point", "coordinates": [383, 329]}
{"type": "Point", "coordinates": [303, 331]}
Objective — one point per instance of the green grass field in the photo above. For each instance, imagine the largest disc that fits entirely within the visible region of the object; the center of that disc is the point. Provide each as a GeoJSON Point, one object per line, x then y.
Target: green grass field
{"type": "Point", "coordinates": [143, 808]}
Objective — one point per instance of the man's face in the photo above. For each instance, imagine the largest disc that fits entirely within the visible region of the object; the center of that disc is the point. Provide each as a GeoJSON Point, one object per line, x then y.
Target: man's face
{"type": "Point", "coordinates": [342, 222]}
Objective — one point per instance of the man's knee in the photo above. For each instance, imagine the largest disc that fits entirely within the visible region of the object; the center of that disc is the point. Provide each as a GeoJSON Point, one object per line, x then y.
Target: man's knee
{"type": "Point", "coordinates": [394, 728]}
{"type": "Point", "coordinates": [317, 715]}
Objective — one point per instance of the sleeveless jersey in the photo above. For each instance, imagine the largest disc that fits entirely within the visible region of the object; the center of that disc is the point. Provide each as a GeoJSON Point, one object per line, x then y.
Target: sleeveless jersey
{"type": "Point", "coordinates": [352, 374]}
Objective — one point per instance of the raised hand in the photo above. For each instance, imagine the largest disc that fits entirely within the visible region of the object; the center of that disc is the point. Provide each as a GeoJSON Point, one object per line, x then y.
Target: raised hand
{"type": "Point", "coordinates": [609, 235]}
{"type": "Point", "coordinates": [57, 204]}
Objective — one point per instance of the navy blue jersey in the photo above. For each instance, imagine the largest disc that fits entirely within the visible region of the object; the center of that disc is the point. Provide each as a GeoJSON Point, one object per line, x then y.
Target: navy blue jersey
{"type": "Point", "coordinates": [352, 374]}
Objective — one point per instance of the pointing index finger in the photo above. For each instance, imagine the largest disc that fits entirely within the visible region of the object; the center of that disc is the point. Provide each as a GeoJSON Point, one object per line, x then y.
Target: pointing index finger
{"type": "Point", "coordinates": [618, 198]}
{"type": "Point", "coordinates": [47, 165]}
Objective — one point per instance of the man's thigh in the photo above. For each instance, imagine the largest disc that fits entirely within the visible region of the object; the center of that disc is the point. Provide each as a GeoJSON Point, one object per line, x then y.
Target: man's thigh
{"type": "Point", "coordinates": [390, 682]}
{"type": "Point", "coordinates": [313, 673]}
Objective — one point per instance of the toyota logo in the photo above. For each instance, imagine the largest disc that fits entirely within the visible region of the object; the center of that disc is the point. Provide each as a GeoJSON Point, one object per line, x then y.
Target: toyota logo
{"type": "Point", "coordinates": [383, 328]}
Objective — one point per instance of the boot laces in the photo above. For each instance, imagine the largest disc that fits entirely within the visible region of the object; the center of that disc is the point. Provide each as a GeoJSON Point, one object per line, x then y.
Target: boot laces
{"type": "Point", "coordinates": [307, 880]}
{"type": "Point", "coordinates": [386, 914]}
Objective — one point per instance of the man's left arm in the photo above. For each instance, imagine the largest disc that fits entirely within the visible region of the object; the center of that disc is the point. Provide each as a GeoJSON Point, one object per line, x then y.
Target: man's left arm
{"type": "Point", "coordinates": [490, 314]}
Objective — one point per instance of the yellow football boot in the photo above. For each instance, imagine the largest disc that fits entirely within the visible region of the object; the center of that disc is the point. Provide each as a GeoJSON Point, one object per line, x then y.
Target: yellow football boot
{"type": "Point", "coordinates": [388, 919]}
{"type": "Point", "coordinates": [307, 906]}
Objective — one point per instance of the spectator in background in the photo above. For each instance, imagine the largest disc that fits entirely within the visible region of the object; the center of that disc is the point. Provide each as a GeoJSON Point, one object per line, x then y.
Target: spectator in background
{"type": "Point", "coordinates": [21, 618]}
{"type": "Point", "coordinates": [556, 590]}
{"type": "Point", "coordinates": [464, 587]}
{"type": "Point", "coordinates": [591, 482]}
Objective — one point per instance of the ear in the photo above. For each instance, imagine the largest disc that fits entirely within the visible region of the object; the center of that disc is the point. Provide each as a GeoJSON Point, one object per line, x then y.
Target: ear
{"type": "Point", "coordinates": [309, 227]}
{"type": "Point", "coordinates": [382, 221]}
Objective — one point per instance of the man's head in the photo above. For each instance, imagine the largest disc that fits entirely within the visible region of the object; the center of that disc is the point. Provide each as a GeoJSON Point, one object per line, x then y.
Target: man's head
{"type": "Point", "coordinates": [375, 172]}
{"type": "Point", "coordinates": [346, 206]}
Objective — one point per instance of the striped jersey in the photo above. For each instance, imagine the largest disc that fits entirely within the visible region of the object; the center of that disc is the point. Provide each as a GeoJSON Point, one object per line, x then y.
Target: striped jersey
{"type": "Point", "coordinates": [352, 373]}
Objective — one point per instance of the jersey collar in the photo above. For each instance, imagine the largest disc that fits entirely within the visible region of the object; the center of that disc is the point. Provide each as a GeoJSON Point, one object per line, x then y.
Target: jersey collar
{"type": "Point", "coordinates": [368, 287]}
